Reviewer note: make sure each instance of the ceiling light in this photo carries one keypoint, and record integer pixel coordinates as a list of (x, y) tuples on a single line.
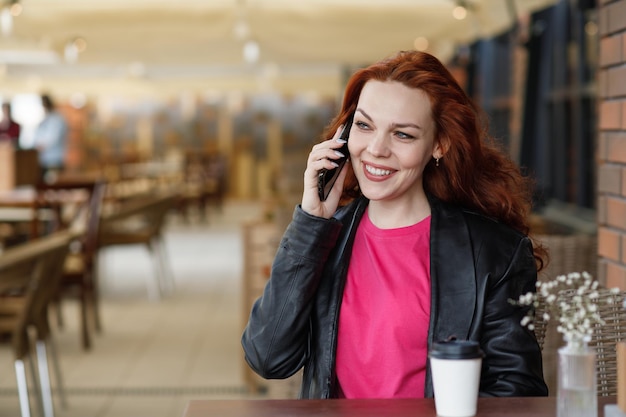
[(81, 44), (6, 21), (70, 53), (251, 52), (10, 10), (241, 30), (78, 100), (459, 12), (16, 9), (73, 48), (421, 43)]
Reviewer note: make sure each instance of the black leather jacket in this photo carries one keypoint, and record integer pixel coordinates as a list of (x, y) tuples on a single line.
[(477, 266)]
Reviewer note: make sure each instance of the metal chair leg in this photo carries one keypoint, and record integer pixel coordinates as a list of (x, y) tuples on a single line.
[(22, 387), (36, 383), (95, 297), (52, 350), (154, 283), (84, 320), (167, 275), (44, 376)]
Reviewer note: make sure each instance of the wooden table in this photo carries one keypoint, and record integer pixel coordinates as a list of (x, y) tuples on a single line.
[(487, 407), (18, 207), (22, 204), (18, 197), (26, 196)]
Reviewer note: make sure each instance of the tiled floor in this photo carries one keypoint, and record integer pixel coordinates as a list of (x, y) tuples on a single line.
[(153, 357)]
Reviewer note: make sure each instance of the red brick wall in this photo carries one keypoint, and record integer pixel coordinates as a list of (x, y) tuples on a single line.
[(612, 144)]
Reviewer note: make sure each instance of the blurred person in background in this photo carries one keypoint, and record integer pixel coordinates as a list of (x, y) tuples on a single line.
[(51, 140), (9, 128)]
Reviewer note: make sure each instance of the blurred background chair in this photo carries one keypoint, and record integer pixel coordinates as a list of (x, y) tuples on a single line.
[(79, 277), (204, 183), (29, 277), (140, 221)]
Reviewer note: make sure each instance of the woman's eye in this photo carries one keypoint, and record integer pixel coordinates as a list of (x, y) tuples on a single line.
[(362, 125), (403, 135)]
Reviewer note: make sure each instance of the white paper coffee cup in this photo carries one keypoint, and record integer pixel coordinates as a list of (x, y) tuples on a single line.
[(455, 368)]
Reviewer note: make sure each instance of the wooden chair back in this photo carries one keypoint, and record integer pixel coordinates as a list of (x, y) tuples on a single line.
[(69, 199), (78, 279), (29, 277), (137, 221), (140, 222)]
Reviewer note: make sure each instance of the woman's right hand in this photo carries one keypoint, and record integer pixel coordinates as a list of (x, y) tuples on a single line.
[(323, 155)]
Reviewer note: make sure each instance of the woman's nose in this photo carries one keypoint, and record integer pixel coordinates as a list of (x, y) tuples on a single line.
[(379, 146)]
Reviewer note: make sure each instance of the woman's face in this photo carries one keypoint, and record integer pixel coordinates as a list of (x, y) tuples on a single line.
[(391, 141)]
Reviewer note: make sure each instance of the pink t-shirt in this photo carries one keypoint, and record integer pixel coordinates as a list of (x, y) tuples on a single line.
[(383, 323)]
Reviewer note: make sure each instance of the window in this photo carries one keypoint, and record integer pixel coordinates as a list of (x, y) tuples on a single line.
[(559, 129)]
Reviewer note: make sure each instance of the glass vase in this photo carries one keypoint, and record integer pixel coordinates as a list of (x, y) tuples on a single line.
[(577, 392)]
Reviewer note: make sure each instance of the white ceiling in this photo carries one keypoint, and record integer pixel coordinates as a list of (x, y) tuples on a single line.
[(159, 46)]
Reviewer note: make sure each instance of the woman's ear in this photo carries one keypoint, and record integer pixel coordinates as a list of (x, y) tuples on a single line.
[(438, 151)]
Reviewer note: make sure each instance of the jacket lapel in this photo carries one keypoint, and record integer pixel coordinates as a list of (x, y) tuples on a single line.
[(453, 279)]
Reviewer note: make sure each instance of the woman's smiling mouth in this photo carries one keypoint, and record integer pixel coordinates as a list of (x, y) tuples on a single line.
[(377, 172)]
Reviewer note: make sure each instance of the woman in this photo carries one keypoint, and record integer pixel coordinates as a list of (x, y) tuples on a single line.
[(429, 243)]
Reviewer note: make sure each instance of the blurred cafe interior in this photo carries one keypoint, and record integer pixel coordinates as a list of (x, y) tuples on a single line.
[(189, 125)]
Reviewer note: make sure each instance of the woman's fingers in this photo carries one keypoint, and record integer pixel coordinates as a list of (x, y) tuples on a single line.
[(324, 155), (329, 150)]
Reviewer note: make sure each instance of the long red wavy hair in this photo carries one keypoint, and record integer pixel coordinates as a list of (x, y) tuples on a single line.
[(475, 172)]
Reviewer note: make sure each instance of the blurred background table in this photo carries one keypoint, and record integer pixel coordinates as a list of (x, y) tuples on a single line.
[(26, 209), (17, 212)]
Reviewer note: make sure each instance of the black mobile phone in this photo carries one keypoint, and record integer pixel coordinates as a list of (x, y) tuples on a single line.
[(327, 177)]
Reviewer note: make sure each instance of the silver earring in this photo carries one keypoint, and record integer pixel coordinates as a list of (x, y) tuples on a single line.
[(436, 162)]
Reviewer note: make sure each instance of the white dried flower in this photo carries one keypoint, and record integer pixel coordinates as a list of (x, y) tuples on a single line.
[(577, 313)]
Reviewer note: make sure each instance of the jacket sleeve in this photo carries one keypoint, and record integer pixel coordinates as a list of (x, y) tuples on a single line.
[(276, 338), (513, 362)]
